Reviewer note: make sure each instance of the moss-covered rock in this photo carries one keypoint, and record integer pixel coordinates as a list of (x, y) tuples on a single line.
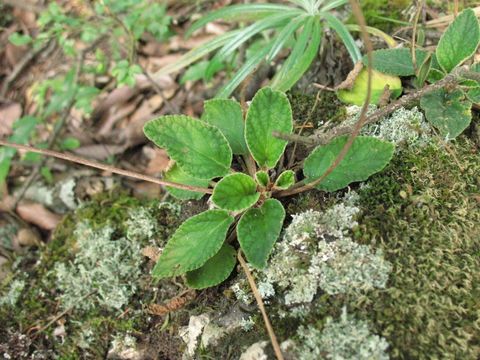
[(92, 269), (423, 212)]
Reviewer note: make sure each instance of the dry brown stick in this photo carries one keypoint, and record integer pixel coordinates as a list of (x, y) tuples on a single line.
[(300, 187), (172, 108), (21, 66), (109, 168), (261, 306), (451, 79), (62, 314)]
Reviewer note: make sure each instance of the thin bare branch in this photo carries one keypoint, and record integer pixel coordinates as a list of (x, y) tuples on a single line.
[(112, 169), (261, 306)]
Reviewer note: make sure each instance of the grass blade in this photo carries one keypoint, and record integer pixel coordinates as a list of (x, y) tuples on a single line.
[(197, 53), (344, 35), (243, 72), (250, 31), (333, 4), (284, 35), (301, 57), (242, 11), (376, 32)]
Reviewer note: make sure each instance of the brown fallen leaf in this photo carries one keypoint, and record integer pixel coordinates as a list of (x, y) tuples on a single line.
[(27, 237), (151, 252), (159, 161), (174, 304), (9, 113), (38, 215)]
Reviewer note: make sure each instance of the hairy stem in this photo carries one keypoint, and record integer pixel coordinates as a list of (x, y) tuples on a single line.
[(112, 169)]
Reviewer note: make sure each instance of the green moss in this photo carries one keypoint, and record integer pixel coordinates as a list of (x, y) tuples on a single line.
[(423, 212), (328, 108), (38, 302)]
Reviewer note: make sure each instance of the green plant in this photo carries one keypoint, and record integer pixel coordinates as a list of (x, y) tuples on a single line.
[(297, 25), (449, 110), (203, 150), (127, 20)]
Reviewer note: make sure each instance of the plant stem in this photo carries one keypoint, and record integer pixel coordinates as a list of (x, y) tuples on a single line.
[(261, 306), (324, 138), (112, 169)]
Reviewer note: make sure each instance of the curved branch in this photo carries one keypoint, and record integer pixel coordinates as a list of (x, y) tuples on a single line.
[(112, 169)]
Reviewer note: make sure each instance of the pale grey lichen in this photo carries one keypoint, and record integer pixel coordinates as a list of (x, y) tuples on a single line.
[(140, 224), (316, 252), (404, 126), (247, 324), (255, 351), (124, 347), (344, 339), (104, 271), (14, 292)]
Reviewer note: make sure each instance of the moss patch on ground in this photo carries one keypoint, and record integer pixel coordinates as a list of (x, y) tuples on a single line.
[(86, 333), (423, 212)]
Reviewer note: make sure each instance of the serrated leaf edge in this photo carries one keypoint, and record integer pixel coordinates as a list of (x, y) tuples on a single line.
[(225, 275), (197, 265), (273, 245), (234, 209)]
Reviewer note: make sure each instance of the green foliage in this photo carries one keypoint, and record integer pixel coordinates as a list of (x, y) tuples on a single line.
[(176, 174), (285, 180), (297, 24), (262, 178), (227, 116), (214, 271), (195, 241), (202, 150), (358, 93), (396, 61), (459, 41), (18, 39), (449, 112), (199, 149), (23, 128), (235, 192), (263, 223), (269, 111), (367, 156), (124, 72)]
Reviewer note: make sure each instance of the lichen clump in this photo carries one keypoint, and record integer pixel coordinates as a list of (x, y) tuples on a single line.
[(317, 247), (345, 338), (104, 271), (403, 127)]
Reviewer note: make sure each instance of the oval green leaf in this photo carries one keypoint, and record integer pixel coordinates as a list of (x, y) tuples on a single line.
[(175, 174), (396, 61), (366, 156), (199, 149), (450, 113), (358, 93), (195, 241), (227, 116), (269, 111), (258, 230), (215, 271), (262, 178), (285, 180), (235, 192), (459, 41)]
